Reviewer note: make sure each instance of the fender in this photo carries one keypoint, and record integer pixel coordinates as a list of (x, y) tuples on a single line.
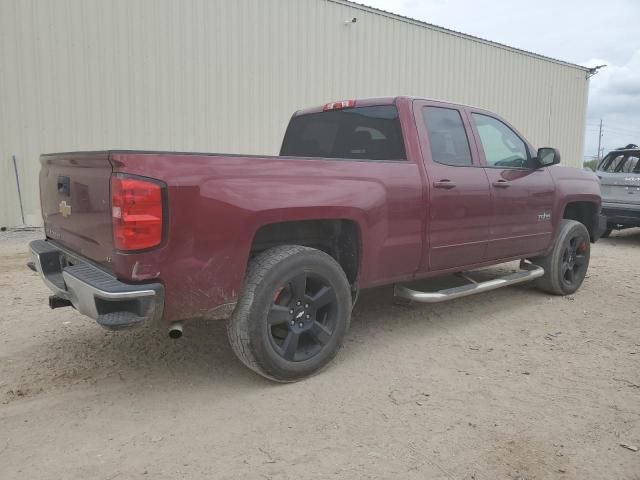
[(217, 203), (573, 185)]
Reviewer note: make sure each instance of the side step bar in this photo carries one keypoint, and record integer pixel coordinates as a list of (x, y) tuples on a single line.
[(527, 273)]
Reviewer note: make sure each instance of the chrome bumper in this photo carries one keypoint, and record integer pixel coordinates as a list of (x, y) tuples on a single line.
[(113, 304)]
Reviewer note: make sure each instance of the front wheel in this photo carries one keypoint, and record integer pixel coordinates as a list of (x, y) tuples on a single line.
[(566, 266), (293, 313)]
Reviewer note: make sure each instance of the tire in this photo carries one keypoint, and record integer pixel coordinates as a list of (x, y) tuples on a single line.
[(278, 344), (566, 266)]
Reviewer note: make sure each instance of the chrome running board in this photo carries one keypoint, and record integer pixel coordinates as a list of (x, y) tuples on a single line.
[(527, 273)]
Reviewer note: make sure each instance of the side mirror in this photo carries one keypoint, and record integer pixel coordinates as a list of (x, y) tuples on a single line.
[(548, 156)]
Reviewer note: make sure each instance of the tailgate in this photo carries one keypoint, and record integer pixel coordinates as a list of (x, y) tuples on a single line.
[(76, 202)]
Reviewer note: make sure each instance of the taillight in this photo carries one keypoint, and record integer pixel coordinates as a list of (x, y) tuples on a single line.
[(136, 211), (339, 105)]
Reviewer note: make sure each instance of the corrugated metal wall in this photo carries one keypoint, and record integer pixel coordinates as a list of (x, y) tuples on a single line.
[(225, 76)]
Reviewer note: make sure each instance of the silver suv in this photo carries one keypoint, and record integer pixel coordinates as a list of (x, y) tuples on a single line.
[(619, 174)]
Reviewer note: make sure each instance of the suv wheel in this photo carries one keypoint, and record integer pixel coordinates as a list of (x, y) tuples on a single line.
[(293, 313), (566, 266)]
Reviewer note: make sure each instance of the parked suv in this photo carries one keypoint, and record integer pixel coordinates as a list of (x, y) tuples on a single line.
[(619, 174)]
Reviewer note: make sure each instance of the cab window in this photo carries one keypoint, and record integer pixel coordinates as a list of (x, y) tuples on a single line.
[(502, 147), (447, 136)]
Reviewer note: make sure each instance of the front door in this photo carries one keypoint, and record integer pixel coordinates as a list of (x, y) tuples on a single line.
[(521, 195), (459, 205)]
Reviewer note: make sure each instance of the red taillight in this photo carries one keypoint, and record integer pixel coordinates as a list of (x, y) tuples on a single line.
[(136, 211), (339, 105)]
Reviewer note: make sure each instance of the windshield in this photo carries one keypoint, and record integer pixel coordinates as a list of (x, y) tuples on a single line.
[(371, 133)]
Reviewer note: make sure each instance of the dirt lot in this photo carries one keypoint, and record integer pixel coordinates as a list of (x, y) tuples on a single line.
[(511, 384)]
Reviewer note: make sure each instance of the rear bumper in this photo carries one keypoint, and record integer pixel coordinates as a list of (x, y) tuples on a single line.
[(622, 214), (113, 304)]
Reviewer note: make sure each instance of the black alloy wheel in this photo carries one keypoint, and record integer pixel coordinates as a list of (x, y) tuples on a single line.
[(565, 266), (574, 260), (302, 317), (293, 313)]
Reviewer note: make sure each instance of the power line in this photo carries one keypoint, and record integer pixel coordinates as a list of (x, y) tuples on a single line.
[(617, 128), (624, 131), (620, 125), (614, 126)]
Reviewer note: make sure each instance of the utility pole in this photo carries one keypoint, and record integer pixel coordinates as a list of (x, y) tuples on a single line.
[(599, 141)]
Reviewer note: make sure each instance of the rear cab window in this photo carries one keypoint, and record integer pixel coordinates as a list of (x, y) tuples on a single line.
[(360, 133)]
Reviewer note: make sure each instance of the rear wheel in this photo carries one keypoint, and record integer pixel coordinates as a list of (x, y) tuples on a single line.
[(293, 313), (566, 266)]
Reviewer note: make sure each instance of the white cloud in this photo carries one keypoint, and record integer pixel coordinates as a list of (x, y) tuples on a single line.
[(615, 98), (570, 30)]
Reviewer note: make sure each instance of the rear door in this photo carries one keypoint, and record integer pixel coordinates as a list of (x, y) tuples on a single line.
[(459, 202), (76, 202), (522, 195), (619, 176)]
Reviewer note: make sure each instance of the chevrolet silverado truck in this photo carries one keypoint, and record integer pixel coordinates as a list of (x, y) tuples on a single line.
[(364, 193)]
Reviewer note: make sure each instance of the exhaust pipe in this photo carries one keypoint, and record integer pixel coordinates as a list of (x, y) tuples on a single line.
[(175, 330)]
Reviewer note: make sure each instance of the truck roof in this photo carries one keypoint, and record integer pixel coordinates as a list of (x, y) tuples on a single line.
[(369, 102)]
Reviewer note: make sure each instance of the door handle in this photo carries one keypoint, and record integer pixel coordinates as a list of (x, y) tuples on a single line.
[(444, 183), (501, 184)]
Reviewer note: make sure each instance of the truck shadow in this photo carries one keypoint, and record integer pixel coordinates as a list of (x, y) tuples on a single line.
[(630, 236), (378, 312), (76, 354)]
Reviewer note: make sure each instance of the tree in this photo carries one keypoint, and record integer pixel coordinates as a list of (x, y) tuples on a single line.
[(591, 164)]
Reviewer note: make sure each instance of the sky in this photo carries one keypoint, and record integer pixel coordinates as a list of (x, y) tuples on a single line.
[(585, 32)]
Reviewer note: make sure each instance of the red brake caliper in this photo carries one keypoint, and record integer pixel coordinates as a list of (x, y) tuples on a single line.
[(276, 295)]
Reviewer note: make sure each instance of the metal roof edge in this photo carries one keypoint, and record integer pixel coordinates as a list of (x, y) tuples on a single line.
[(420, 23)]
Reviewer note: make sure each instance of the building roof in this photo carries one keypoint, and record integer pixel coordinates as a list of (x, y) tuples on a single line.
[(431, 26)]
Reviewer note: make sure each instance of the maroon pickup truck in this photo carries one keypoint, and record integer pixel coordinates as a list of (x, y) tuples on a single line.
[(365, 193)]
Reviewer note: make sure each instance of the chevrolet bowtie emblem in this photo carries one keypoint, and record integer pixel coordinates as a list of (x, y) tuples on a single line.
[(64, 209)]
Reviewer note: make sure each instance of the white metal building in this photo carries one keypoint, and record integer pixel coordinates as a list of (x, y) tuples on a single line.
[(225, 76)]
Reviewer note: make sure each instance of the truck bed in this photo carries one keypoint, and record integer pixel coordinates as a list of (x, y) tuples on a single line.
[(213, 206)]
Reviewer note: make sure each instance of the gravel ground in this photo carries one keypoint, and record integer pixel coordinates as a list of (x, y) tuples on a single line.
[(510, 384)]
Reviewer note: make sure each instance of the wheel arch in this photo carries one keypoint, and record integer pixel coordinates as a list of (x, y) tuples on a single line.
[(341, 238), (585, 211)]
